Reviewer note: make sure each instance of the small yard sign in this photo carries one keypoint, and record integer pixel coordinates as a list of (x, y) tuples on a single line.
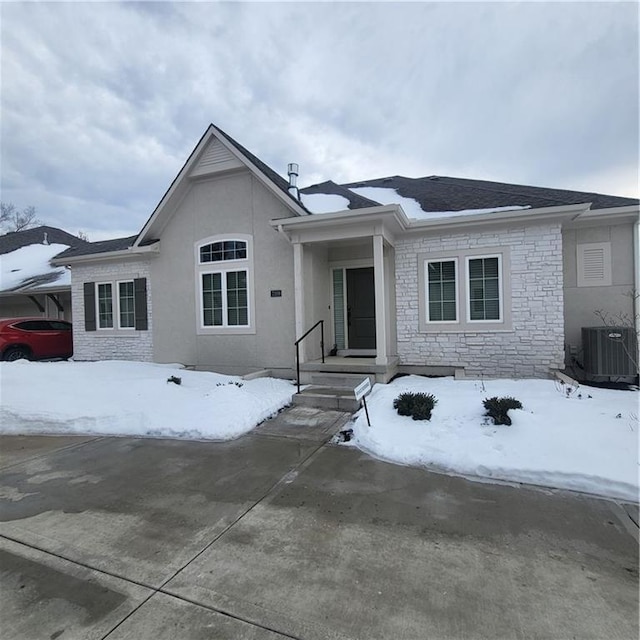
[(360, 392)]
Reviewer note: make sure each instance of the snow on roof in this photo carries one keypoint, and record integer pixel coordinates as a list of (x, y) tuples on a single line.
[(390, 196), (467, 212), (324, 202), (29, 268), (413, 209)]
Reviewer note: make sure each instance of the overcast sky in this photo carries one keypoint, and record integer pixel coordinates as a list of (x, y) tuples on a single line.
[(101, 104)]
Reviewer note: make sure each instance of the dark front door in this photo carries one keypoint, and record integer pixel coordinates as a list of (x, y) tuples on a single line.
[(361, 317)]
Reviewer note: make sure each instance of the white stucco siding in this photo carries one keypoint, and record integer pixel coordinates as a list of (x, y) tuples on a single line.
[(532, 339), (110, 344)]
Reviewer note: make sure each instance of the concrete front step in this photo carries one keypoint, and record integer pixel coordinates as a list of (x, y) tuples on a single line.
[(326, 397), (343, 380)]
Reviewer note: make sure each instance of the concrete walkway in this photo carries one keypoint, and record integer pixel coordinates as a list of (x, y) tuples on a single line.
[(281, 535)]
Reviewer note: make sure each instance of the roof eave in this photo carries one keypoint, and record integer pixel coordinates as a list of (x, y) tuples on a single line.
[(325, 219), (130, 253), (407, 225), (559, 213), (609, 212)]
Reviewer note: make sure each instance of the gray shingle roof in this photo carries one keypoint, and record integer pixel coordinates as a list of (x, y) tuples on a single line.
[(441, 193), (355, 201), (276, 178), (18, 239), (104, 246)]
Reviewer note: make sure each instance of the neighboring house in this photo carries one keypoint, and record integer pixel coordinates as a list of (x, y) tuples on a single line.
[(425, 275), (29, 284)]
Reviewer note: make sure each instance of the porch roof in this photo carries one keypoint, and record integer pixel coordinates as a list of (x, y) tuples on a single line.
[(391, 221)]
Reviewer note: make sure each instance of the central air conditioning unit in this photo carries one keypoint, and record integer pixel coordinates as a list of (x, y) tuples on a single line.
[(610, 351)]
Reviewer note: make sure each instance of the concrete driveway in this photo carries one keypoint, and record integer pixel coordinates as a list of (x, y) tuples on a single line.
[(281, 535)]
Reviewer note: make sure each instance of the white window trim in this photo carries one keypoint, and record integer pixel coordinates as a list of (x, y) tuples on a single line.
[(426, 291), (464, 325), (500, 289), (224, 266), (99, 327), (118, 283)]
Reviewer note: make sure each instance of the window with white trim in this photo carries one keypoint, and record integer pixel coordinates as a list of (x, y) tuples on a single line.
[(104, 301), (126, 305), (112, 306), (125, 301), (224, 281), (483, 287), (442, 283), (465, 290), (223, 250), (225, 299)]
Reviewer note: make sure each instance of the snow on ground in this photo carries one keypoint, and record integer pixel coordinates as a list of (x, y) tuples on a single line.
[(581, 443), (569, 441), (324, 202), (30, 261), (133, 398)]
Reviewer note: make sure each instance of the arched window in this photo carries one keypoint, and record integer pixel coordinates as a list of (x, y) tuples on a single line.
[(223, 250)]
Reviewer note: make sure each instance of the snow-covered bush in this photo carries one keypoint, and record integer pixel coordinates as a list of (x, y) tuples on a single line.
[(497, 408), (416, 405)]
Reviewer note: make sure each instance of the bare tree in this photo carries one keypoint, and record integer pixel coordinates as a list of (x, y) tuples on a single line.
[(82, 235), (13, 220)]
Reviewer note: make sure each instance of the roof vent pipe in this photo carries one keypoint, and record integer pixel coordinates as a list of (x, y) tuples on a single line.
[(292, 171)]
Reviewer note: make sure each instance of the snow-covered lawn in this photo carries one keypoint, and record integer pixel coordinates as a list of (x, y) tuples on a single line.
[(567, 441), (558, 440), (133, 398)]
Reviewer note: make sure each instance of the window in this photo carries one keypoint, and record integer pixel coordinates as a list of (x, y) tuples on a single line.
[(226, 250), (465, 290), (126, 305), (225, 299), (116, 305), (484, 288), (225, 294), (105, 306), (442, 279)]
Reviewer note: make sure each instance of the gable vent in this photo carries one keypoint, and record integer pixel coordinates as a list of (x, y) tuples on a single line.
[(594, 264), (216, 157)]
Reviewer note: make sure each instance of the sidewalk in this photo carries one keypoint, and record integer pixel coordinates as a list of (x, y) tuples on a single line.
[(279, 535)]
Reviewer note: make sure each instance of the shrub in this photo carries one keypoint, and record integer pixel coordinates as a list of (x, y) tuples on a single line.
[(175, 380), (497, 408), (416, 405)]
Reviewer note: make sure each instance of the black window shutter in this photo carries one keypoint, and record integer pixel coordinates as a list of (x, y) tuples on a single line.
[(89, 306), (140, 303)]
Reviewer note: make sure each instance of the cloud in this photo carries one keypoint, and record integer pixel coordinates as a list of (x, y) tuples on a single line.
[(102, 103)]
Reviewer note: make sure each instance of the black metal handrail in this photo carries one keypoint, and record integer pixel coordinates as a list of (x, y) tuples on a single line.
[(300, 339)]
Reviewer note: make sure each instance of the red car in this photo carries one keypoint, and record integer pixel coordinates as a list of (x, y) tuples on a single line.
[(35, 338)]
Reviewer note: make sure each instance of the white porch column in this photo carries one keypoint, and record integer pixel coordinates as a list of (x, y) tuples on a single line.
[(298, 293), (381, 301)]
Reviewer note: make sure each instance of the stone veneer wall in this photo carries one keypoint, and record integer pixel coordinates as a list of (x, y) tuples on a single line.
[(109, 344), (533, 346)]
